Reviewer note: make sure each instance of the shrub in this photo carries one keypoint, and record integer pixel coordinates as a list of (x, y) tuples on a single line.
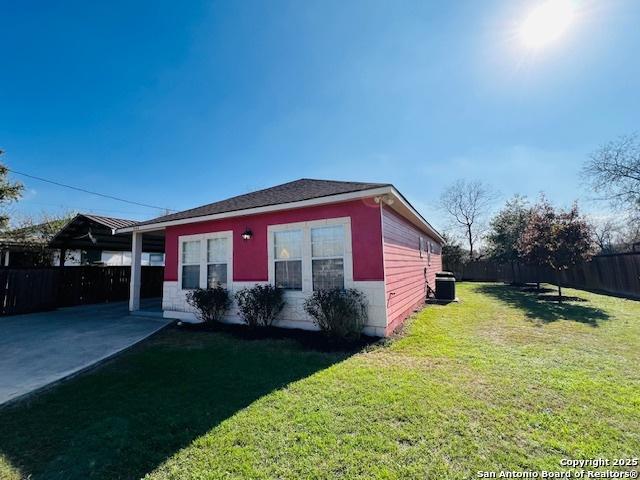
[(340, 314), (260, 305), (211, 303)]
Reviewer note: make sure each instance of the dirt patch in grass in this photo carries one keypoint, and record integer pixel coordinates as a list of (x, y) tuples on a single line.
[(564, 298), (540, 290)]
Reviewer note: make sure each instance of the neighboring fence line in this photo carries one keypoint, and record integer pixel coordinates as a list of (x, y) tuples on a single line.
[(25, 290), (618, 274)]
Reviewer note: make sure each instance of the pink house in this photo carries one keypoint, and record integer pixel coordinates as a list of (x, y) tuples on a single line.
[(302, 236)]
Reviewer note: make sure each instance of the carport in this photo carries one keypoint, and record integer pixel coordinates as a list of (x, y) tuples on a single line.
[(94, 234)]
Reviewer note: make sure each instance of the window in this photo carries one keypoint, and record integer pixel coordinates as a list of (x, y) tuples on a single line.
[(217, 262), (156, 259), (312, 255), (191, 264), (421, 246), (288, 259), (327, 257)]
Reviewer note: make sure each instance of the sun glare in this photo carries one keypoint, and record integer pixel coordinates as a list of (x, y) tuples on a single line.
[(546, 23)]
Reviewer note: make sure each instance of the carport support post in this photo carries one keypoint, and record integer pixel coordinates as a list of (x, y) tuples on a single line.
[(136, 271)]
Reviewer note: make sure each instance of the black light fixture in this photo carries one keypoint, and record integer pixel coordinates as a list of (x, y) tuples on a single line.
[(247, 234)]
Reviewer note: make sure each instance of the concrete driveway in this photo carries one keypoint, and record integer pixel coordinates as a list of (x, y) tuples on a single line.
[(41, 348)]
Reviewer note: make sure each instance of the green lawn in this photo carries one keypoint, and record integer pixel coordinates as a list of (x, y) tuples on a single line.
[(499, 381)]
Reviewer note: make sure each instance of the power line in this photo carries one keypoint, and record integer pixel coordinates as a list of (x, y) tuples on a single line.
[(89, 191), (82, 209)]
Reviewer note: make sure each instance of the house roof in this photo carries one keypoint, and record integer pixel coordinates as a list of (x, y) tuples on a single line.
[(296, 194), (296, 191)]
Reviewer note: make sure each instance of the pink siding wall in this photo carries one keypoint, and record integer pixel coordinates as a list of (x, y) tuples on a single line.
[(250, 256), (404, 269)]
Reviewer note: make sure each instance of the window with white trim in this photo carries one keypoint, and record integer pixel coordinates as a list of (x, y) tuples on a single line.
[(288, 259), (327, 257), (190, 264), (156, 259), (217, 256)]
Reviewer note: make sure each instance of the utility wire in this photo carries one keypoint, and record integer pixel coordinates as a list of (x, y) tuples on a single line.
[(83, 209), (89, 191)]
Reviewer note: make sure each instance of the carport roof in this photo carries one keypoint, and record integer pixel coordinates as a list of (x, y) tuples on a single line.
[(85, 231)]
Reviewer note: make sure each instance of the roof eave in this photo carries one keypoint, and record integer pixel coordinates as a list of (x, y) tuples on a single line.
[(341, 197), (419, 219), (385, 190)]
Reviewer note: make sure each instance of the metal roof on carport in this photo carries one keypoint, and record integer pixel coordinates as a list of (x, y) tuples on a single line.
[(86, 231)]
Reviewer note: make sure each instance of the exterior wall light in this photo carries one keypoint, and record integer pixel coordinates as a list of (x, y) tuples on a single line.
[(247, 234)]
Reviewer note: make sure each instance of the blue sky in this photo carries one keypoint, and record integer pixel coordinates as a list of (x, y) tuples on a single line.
[(184, 103)]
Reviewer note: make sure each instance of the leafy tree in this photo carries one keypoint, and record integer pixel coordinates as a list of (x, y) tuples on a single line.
[(506, 228), (556, 239), (9, 192), (35, 234), (468, 204), (573, 242), (535, 245)]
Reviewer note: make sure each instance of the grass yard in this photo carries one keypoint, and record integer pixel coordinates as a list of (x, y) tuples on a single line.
[(499, 381)]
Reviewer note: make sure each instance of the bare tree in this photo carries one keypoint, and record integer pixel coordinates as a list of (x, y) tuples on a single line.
[(607, 233), (629, 237), (614, 173), (467, 203)]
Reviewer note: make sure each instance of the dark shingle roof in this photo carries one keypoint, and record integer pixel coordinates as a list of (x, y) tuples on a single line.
[(296, 191)]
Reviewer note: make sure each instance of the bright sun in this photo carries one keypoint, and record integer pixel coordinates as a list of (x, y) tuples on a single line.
[(546, 23)]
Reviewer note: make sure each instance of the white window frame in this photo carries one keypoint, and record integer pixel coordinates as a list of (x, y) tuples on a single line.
[(181, 262), (334, 257), (276, 260), (307, 277), (203, 238)]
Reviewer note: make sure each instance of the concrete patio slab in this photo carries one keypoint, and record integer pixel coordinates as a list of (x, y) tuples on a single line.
[(39, 349)]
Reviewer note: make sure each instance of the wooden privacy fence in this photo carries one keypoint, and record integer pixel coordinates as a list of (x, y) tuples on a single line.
[(24, 290), (618, 274)]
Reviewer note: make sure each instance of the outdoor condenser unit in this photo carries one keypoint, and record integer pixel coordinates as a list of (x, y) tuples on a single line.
[(445, 286)]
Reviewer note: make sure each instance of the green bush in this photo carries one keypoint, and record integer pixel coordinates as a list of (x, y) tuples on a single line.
[(340, 314), (210, 303), (260, 305)]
